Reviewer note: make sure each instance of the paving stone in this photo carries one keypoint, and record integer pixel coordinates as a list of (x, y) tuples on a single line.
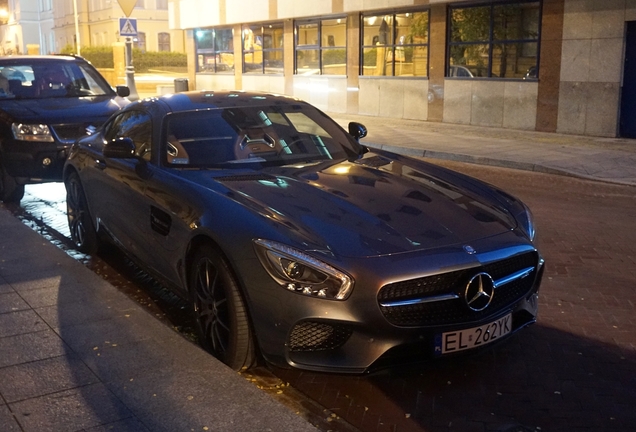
[(15, 323), (70, 410), (30, 347), (43, 377), (12, 302), (8, 423)]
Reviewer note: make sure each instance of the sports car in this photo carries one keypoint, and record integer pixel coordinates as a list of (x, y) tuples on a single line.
[(297, 244)]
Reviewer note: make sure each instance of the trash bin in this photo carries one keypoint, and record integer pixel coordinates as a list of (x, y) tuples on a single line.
[(180, 85)]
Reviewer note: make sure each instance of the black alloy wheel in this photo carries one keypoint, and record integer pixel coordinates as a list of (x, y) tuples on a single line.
[(221, 316), (80, 223), (10, 191)]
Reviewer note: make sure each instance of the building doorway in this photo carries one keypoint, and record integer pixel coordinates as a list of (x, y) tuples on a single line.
[(627, 126)]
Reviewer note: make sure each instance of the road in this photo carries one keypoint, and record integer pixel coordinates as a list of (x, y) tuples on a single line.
[(574, 370)]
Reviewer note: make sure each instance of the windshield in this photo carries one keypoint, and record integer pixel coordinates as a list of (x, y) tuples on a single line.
[(39, 80), (271, 135)]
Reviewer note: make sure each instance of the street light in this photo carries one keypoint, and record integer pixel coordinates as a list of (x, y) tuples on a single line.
[(4, 15), (77, 32)]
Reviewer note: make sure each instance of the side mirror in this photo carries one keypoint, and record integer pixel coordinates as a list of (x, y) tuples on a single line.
[(123, 91), (357, 130), (120, 148)]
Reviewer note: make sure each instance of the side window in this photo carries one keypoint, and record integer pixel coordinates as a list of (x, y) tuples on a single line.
[(495, 39), (164, 41), (133, 124), (395, 44), (215, 50), (321, 47)]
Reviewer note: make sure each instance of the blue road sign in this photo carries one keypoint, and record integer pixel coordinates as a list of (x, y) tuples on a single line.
[(127, 27)]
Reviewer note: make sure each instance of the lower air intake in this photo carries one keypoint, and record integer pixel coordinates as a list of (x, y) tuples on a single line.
[(318, 336)]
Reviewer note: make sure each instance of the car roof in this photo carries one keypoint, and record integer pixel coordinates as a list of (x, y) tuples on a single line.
[(203, 99), (13, 59)]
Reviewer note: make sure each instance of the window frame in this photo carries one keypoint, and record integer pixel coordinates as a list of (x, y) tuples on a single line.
[(246, 52), (492, 41), (164, 39), (213, 52), (319, 46), (394, 45), (139, 41)]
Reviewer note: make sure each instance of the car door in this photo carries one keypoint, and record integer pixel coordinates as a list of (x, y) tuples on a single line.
[(174, 213), (121, 182)]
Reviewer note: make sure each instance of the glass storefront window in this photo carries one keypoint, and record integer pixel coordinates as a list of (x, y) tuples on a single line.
[(215, 50), (321, 47), (263, 48), (494, 41), (395, 44)]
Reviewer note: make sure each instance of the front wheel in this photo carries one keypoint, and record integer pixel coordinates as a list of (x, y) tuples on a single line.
[(80, 223), (221, 316), (10, 191)]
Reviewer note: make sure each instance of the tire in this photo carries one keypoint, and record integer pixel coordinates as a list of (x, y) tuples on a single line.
[(219, 310), (10, 191), (80, 222)]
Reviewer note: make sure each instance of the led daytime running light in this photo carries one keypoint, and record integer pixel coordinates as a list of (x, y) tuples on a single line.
[(302, 273)]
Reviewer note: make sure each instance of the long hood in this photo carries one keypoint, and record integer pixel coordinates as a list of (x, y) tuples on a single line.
[(373, 206), (62, 110)]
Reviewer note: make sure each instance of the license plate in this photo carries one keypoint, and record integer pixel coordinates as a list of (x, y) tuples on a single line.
[(460, 340)]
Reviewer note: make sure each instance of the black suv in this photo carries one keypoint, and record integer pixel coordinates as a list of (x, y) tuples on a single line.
[(46, 103)]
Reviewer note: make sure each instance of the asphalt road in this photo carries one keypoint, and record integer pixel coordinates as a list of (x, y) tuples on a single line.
[(575, 370)]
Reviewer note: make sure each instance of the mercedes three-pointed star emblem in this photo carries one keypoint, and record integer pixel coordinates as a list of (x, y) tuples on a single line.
[(479, 292)]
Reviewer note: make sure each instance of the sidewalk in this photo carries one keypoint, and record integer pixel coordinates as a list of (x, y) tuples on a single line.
[(76, 354), (605, 159)]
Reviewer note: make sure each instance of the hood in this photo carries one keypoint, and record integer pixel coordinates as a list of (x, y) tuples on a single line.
[(373, 206), (62, 110)]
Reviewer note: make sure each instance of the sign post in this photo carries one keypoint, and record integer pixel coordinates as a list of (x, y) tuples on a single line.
[(128, 29)]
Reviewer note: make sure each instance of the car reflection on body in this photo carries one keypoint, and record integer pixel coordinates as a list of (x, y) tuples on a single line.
[(458, 71), (294, 242)]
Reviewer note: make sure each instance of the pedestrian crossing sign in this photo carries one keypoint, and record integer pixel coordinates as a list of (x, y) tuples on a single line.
[(127, 27)]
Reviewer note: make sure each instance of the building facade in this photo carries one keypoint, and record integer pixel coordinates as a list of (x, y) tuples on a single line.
[(27, 26), (48, 26), (546, 65), (99, 24)]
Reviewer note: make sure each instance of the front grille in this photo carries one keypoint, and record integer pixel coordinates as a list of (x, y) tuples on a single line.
[(455, 311), (71, 132), (317, 336)]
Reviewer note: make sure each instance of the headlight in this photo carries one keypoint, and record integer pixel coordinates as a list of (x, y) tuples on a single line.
[(526, 222), (301, 273), (32, 132)]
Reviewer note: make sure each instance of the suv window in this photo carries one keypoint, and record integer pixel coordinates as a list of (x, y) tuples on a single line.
[(38, 80)]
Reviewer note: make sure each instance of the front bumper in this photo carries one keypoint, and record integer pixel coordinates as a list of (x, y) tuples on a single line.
[(34, 161), (357, 335)]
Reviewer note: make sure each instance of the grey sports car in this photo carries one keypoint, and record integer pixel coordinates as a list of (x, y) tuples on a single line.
[(297, 244)]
